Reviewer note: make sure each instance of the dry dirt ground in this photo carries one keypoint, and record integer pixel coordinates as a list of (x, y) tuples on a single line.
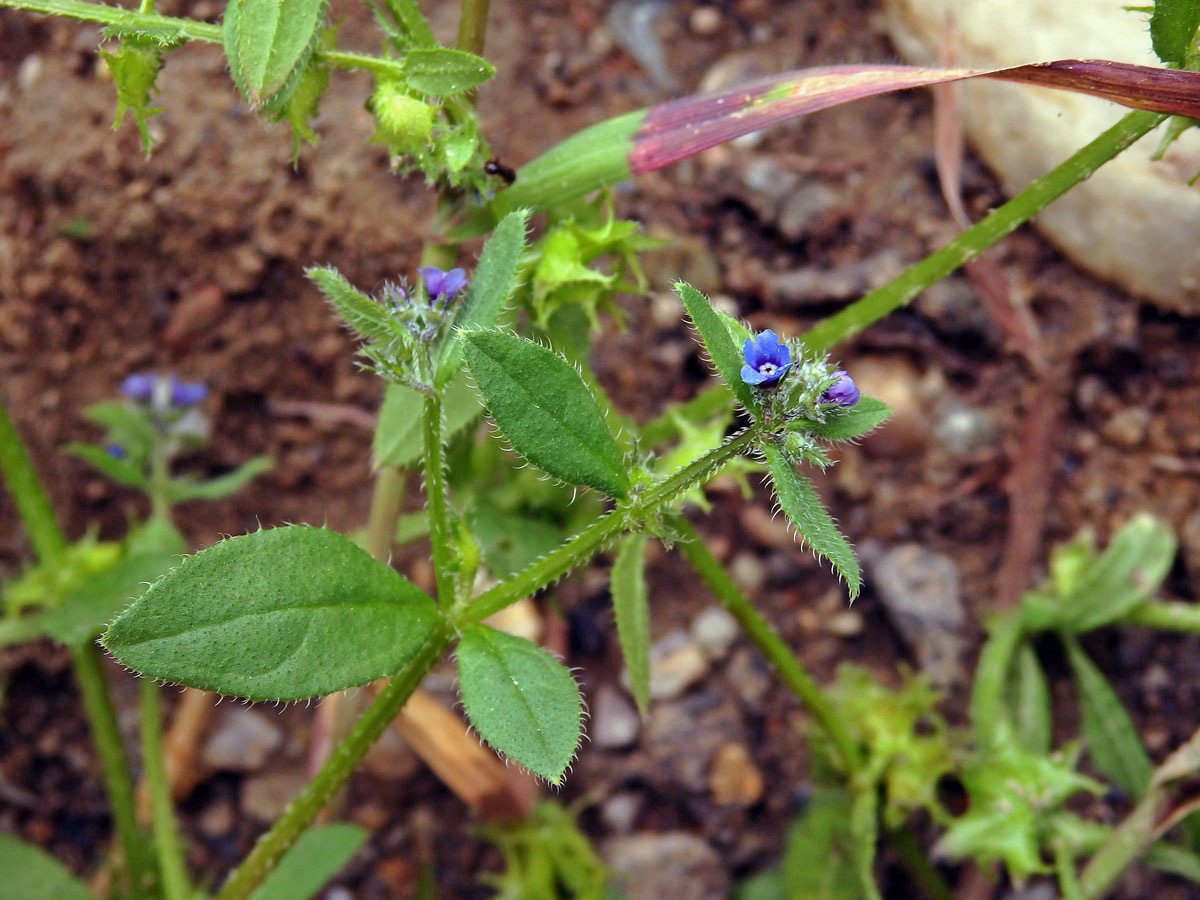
[(192, 261)]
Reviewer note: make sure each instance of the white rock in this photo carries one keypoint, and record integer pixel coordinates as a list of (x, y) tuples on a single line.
[(1134, 221), (243, 741)]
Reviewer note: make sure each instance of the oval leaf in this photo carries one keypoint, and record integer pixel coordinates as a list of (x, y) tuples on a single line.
[(541, 405), (850, 421), (276, 615), (802, 505), (520, 699), (441, 71), (32, 874), (268, 43), (725, 355), (632, 612)]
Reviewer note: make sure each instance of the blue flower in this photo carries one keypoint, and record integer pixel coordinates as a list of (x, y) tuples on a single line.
[(186, 393), (139, 386), (116, 451), (766, 359), (841, 391), (440, 285)]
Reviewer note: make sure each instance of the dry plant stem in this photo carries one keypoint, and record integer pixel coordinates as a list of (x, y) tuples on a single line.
[(182, 739), (342, 762)]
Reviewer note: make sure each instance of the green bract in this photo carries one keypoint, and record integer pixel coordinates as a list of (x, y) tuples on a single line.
[(632, 612), (276, 615), (268, 44), (520, 699), (541, 405)]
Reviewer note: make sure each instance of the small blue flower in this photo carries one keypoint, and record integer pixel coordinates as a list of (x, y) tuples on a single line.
[(139, 386), (841, 391), (186, 393), (766, 359), (116, 451), (440, 285)]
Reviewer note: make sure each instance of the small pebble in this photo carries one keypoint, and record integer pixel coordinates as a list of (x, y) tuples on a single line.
[(654, 866), (734, 779), (243, 742), (705, 21), (620, 811), (1127, 427), (715, 630), (847, 623), (265, 796), (615, 723), (676, 663), (748, 674)]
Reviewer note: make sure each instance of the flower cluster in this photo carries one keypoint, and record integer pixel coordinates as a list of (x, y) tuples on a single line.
[(767, 361), (160, 391)]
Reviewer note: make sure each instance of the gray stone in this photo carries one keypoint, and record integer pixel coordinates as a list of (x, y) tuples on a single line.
[(676, 663), (715, 630), (680, 739), (748, 674), (614, 723), (265, 796), (673, 864), (243, 741), (963, 429), (920, 590), (620, 811)]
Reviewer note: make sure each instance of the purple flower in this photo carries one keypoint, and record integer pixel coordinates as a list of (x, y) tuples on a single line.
[(116, 451), (139, 386), (766, 359), (186, 393), (441, 285), (842, 391)]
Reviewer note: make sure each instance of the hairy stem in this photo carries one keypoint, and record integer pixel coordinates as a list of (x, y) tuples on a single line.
[(435, 500), (472, 26), (1000, 222), (769, 643), (173, 879), (581, 547), (309, 802), (32, 503), (114, 767)]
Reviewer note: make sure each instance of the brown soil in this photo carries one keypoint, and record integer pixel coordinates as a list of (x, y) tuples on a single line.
[(192, 261)]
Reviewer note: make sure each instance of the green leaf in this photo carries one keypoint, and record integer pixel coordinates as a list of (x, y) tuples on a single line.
[(1112, 739), (89, 607), (1031, 713), (726, 356), (1173, 27), (398, 440), (134, 68), (441, 72), (1167, 857), (491, 284), (222, 486), (820, 859), (520, 699), (803, 507), (988, 714), (365, 317), (510, 541), (276, 615), (849, 421), (541, 405), (313, 860), (118, 470), (632, 611), (409, 18), (1129, 571), (268, 43), (32, 874)]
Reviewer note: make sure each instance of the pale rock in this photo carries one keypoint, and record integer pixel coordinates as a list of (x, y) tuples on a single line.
[(615, 723), (620, 811), (243, 742), (676, 663), (715, 630), (734, 779), (655, 866), (1134, 221), (265, 796)]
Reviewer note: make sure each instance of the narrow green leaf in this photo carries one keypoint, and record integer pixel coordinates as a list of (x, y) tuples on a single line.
[(491, 284), (1173, 27), (398, 434), (312, 861), (1031, 713), (520, 699), (268, 43), (118, 470), (541, 405), (221, 486), (1127, 573), (86, 609), (409, 17), (275, 615), (631, 608), (32, 874), (1111, 736), (851, 421), (364, 316), (812, 521), (1167, 857), (864, 832), (820, 859), (441, 71), (987, 710), (726, 356)]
